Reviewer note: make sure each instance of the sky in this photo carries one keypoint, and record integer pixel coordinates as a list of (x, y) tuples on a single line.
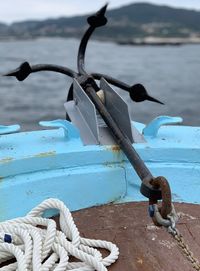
[(19, 10)]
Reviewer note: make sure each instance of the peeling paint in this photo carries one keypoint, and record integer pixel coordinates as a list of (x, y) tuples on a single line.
[(109, 164), (139, 260), (114, 164), (6, 160), (151, 231), (154, 237), (181, 214), (29, 193), (152, 227), (45, 154), (167, 244)]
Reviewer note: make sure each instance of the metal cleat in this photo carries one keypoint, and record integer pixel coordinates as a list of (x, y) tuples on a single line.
[(10, 129), (152, 128), (70, 131)]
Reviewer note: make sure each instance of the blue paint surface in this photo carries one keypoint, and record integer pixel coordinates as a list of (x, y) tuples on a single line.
[(43, 164)]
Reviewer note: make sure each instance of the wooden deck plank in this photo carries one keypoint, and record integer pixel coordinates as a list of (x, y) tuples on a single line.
[(143, 247)]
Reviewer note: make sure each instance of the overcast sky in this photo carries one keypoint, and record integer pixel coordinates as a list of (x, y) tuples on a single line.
[(17, 10)]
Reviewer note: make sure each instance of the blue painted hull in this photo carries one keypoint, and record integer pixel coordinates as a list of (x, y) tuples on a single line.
[(43, 164)]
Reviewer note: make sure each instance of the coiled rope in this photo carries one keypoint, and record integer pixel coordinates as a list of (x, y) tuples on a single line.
[(37, 245)]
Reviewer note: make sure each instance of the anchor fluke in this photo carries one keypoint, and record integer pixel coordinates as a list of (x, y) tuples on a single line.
[(149, 98), (22, 72), (138, 94), (99, 18)]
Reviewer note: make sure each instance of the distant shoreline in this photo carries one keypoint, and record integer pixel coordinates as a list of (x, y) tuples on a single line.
[(149, 41), (134, 24), (159, 41), (132, 43)]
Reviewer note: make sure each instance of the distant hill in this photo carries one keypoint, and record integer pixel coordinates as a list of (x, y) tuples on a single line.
[(3, 28), (127, 23)]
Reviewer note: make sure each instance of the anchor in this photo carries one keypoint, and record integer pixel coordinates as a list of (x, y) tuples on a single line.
[(137, 92)]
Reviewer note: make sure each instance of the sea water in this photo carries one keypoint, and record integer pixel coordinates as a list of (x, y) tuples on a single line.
[(169, 73)]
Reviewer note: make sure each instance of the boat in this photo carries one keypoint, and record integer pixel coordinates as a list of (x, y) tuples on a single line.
[(87, 163)]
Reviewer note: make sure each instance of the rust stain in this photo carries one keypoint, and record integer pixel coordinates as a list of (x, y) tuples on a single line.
[(115, 148), (45, 154), (6, 160)]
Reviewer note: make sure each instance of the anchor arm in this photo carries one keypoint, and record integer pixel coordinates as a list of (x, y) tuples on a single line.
[(25, 69), (137, 92), (54, 68), (112, 81)]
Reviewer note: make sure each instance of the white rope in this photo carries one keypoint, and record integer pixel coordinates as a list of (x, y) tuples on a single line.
[(37, 245)]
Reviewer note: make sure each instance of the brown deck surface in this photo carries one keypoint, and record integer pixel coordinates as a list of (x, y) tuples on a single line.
[(143, 247)]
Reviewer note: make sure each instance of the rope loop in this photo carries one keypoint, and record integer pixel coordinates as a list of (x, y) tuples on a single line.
[(37, 245)]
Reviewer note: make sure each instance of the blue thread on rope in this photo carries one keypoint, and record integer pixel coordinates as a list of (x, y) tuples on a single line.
[(7, 238), (151, 210)]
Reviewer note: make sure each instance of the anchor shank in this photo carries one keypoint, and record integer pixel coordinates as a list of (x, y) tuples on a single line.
[(121, 139)]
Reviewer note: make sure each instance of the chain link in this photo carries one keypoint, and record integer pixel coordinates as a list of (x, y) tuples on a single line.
[(186, 250), (170, 225)]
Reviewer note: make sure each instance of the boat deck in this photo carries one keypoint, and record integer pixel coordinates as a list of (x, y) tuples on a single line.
[(142, 245)]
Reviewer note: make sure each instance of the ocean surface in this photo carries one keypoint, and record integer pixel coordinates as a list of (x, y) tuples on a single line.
[(170, 73)]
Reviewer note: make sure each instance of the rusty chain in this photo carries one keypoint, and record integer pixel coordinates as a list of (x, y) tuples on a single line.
[(170, 225), (167, 217), (184, 247)]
